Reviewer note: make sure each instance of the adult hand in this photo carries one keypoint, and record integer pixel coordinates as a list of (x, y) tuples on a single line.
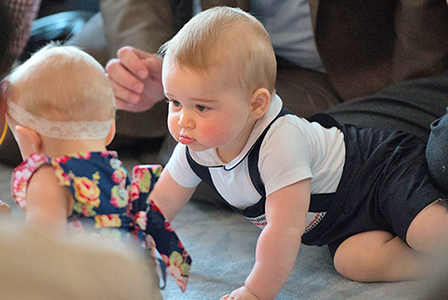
[(242, 293), (136, 79)]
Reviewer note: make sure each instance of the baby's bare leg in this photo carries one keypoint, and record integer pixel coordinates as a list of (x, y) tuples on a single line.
[(428, 232), (379, 256)]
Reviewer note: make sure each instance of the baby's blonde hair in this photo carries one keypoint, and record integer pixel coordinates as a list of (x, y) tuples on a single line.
[(62, 83), (227, 38)]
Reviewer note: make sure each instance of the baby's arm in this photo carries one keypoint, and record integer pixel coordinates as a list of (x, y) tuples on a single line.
[(170, 196), (279, 242), (48, 203)]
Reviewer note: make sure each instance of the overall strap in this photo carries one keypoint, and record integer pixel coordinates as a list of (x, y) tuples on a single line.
[(320, 201), (252, 160), (204, 173), (324, 120), (257, 209)]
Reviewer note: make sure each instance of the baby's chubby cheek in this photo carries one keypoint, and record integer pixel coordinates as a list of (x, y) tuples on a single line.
[(173, 127), (213, 134)]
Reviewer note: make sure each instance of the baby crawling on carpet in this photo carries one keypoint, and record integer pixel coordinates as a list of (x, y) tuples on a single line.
[(364, 192)]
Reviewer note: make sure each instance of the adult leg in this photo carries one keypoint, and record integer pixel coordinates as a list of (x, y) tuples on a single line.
[(92, 40), (305, 92), (409, 106)]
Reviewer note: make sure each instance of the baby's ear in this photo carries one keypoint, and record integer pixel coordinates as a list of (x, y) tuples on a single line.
[(28, 138), (111, 134), (260, 101)]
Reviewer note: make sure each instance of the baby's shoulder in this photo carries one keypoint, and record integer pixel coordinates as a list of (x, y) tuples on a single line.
[(22, 175)]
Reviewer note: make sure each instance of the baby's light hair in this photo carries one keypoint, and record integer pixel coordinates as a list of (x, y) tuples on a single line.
[(228, 38), (62, 83)]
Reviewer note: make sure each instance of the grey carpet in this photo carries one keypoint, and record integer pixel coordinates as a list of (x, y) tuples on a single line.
[(222, 245)]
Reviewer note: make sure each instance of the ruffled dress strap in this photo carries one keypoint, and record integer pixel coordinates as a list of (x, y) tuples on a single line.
[(150, 220), (22, 175)]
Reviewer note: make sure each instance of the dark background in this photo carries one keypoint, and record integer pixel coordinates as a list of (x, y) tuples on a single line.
[(49, 7)]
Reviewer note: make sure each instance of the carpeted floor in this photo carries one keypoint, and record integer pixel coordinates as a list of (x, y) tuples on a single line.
[(222, 245)]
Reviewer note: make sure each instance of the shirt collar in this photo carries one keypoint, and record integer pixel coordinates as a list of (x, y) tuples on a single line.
[(209, 158)]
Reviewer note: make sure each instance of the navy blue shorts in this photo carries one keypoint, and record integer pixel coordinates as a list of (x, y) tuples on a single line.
[(384, 185)]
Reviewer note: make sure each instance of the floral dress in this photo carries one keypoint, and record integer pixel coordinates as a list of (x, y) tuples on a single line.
[(109, 203)]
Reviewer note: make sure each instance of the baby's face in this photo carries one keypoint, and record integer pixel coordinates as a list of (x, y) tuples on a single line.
[(207, 110)]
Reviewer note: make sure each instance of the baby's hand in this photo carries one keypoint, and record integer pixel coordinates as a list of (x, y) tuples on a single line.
[(243, 293)]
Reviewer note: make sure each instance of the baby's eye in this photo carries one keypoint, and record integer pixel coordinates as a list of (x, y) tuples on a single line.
[(175, 103), (201, 108)]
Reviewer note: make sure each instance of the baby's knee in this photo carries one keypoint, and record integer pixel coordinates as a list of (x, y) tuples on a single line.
[(352, 266), (361, 257)]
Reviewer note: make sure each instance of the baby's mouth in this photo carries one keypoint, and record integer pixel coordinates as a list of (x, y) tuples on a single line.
[(185, 140)]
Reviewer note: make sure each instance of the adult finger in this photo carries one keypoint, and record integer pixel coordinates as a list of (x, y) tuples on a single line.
[(122, 77), (124, 94), (124, 105), (132, 58), (154, 64)]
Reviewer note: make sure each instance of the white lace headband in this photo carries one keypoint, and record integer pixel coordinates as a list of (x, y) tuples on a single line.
[(69, 130)]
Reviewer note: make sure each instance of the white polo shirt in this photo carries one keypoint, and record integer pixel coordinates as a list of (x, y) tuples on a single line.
[(292, 150)]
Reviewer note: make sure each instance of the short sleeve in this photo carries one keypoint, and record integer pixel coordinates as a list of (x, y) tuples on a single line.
[(180, 170), (284, 160), (22, 175)]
